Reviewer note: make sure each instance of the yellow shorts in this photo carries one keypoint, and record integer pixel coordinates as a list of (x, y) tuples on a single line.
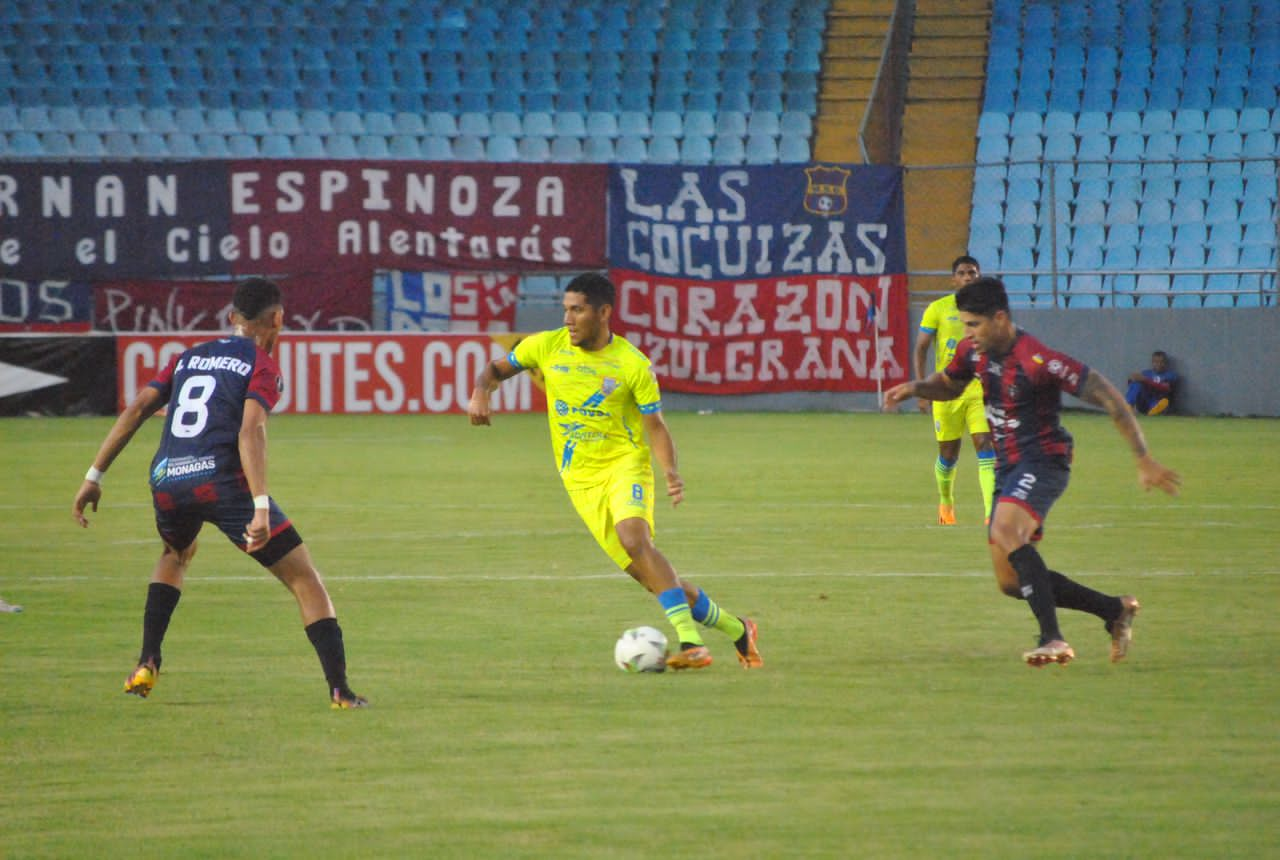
[(951, 418), (621, 495)]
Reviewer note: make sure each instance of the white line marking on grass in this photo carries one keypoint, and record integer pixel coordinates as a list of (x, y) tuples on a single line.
[(587, 577)]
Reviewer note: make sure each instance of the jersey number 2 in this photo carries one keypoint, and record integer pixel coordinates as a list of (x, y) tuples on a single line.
[(193, 411)]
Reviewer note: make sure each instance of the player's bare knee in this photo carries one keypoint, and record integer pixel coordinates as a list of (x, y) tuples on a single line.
[(180, 558)]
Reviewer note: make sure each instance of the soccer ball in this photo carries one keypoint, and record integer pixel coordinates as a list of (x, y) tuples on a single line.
[(641, 649)]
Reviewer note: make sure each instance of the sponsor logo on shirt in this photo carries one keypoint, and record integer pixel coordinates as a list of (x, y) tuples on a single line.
[(563, 409), (183, 467)]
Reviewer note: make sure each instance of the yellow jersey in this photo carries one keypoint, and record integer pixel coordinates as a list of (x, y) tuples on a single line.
[(594, 402), (942, 320)]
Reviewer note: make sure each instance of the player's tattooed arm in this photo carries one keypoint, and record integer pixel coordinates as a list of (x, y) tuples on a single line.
[(1099, 391), (486, 383)]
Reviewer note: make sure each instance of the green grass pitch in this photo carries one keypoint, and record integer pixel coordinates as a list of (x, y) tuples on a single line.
[(893, 717)]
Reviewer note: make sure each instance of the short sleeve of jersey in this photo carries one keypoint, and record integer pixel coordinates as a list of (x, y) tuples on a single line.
[(265, 385), (1059, 369), (164, 379), (644, 385), (961, 367), (531, 352), (932, 318)]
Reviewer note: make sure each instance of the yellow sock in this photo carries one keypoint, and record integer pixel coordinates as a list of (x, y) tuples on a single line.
[(707, 613), (944, 471), (680, 616), (987, 478)]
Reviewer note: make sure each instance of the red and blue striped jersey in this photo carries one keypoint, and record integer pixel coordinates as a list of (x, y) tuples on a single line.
[(1022, 390), (206, 388)]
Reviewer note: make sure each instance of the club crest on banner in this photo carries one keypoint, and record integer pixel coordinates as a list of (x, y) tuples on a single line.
[(827, 192)]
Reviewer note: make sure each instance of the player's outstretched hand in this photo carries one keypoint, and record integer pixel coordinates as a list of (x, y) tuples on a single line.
[(896, 395), (675, 488), (1151, 473), (89, 494), (478, 408)]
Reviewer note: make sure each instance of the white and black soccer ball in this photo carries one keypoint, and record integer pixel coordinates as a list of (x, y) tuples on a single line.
[(641, 649)]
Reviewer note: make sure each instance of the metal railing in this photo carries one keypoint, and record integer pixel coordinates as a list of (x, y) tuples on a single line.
[(880, 133), (1051, 282)]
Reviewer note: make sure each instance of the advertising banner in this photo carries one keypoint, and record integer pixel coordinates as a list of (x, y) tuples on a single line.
[(357, 374), (762, 279), (439, 301), (332, 301), (166, 219), (66, 375)]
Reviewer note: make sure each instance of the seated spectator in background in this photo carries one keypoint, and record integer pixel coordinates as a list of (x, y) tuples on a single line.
[(1151, 391)]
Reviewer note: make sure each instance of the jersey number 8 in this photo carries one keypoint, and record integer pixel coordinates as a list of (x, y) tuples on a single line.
[(193, 412)]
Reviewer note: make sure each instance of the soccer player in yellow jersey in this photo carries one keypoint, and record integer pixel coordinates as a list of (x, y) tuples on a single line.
[(604, 409), (941, 326)]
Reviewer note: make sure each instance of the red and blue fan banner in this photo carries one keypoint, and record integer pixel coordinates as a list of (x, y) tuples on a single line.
[(107, 221), (330, 301), (768, 279), (45, 306)]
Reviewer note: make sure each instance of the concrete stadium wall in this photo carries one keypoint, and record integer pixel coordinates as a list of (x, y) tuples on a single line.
[(1226, 357)]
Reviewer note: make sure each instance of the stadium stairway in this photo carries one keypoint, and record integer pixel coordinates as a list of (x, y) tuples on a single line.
[(944, 98), (856, 31)]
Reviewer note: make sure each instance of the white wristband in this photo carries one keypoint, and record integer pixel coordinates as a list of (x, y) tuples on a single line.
[(94, 474), (261, 503)]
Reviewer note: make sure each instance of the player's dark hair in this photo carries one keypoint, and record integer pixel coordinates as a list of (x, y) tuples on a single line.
[(983, 297), (596, 287), (255, 296), (962, 259), (1161, 353)]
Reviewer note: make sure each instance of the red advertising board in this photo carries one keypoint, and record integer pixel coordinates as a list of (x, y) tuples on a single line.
[(357, 374)]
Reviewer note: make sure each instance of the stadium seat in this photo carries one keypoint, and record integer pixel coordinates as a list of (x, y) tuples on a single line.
[(632, 149), (598, 150), (728, 149), (468, 148), (436, 148), (793, 149), (341, 146), (534, 149), (566, 148), (761, 149)]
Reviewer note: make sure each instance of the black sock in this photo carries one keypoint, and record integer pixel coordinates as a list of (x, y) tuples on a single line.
[(1070, 594), (326, 638), (162, 599), (1037, 590)]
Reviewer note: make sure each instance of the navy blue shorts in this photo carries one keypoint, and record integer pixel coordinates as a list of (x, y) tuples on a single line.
[(182, 509), (1033, 485)]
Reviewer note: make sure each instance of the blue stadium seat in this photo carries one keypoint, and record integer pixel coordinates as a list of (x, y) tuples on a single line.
[(499, 147), (761, 149), (566, 148), (119, 144), (437, 123), (436, 148), (534, 149), (793, 149), (598, 149), (182, 144), (602, 124), (632, 149), (276, 145), (372, 146), (212, 145), (664, 149), (728, 149), (468, 148)]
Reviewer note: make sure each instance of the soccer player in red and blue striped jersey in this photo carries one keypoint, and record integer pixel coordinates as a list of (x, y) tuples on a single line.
[(1022, 382), (211, 466)]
